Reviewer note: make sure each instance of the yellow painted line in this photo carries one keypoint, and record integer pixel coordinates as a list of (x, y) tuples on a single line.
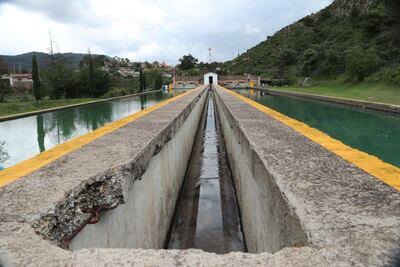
[(28, 166), (385, 172)]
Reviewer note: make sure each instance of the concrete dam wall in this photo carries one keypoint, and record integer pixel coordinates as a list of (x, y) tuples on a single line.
[(277, 226), (144, 219), (115, 200)]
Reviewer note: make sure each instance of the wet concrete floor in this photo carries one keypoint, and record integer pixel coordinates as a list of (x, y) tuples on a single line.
[(207, 215)]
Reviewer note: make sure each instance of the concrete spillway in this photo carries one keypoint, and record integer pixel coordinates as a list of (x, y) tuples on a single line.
[(207, 216)]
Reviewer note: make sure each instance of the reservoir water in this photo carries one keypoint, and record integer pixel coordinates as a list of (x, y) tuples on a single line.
[(23, 138), (376, 133)]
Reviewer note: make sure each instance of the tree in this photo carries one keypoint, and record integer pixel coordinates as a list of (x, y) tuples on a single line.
[(91, 80), (158, 82), (4, 89), (310, 61), (4, 84), (287, 57), (361, 63), (142, 80), (3, 66), (98, 60), (36, 80), (188, 62), (59, 78)]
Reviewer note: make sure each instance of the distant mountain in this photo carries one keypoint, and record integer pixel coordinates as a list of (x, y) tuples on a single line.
[(25, 60), (326, 43)]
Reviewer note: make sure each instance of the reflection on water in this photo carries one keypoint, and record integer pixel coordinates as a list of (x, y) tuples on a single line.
[(26, 137), (3, 154), (143, 102), (376, 133)]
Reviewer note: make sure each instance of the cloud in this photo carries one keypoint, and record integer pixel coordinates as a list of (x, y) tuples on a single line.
[(65, 11), (147, 30)]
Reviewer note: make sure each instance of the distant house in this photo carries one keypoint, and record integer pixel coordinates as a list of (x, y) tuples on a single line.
[(126, 72), (186, 82), (245, 80), (21, 82)]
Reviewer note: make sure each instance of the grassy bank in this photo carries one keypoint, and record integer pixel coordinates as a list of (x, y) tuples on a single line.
[(11, 108), (367, 91)]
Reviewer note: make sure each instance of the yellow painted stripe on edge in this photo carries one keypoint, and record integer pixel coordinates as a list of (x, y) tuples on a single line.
[(385, 172), (28, 166)]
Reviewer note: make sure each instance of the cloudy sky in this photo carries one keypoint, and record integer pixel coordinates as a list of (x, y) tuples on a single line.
[(146, 29)]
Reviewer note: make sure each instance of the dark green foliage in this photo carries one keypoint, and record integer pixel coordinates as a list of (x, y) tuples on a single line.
[(389, 75), (310, 61), (89, 81), (361, 63), (158, 82), (142, 80), (114, 92), (96, 61), (3, 66), (188, 62), (37, 91), (4, 89), (324, 15), (4, 84), (326, 45), (308, 21), (59, 79), (287, 57), (216, 67), (91, 78)]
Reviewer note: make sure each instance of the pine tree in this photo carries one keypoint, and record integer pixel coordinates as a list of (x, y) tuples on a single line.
[(158, 82), (36, 80), (142, 80), (92, 85)]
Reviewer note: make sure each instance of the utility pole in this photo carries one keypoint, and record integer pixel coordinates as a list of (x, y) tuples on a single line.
[(209, 55)]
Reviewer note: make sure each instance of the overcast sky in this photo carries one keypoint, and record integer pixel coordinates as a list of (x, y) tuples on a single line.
[(146, 29)]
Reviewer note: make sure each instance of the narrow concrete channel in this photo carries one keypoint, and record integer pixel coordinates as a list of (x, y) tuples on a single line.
[(207, 215)]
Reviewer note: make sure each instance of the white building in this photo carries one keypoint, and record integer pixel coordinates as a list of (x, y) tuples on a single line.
[(21, 81), (211, 78)]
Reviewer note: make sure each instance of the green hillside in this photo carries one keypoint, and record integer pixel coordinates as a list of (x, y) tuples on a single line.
[(71, 59), (353, 39)]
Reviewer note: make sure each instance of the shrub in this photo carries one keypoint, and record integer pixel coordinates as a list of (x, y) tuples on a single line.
[(361, 63), (308, 21), (389, 75), (324, 15), (310, 61), (287, 57), (114, 92)]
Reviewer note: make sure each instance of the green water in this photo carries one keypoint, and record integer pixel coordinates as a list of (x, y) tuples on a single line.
[(376, 133), (24, 138)]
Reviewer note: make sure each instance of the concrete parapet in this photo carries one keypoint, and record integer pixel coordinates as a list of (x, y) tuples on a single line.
[(307, 194)]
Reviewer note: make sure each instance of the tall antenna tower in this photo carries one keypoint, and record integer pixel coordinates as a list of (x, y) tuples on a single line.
[(209, 55), (52, 59)]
